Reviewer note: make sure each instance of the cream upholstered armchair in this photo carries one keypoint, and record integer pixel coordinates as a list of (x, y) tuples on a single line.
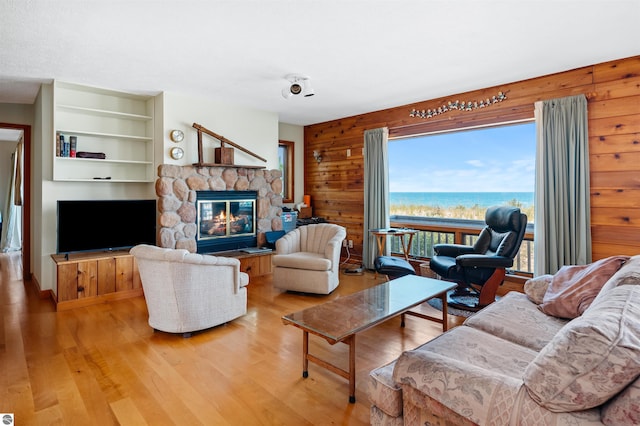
[(186, 292), (307, 259)]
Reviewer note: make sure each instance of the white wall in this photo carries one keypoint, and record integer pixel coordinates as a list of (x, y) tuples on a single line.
[(17, 114), (255, 130), (43, 120), (292, 133)]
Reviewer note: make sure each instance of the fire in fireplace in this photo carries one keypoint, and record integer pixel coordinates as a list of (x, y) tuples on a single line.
[(226, 220)]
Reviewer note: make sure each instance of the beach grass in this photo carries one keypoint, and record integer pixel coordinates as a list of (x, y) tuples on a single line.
[(475, 212)]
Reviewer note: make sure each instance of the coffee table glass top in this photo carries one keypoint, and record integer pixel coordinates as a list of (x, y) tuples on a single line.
[(347, 315)]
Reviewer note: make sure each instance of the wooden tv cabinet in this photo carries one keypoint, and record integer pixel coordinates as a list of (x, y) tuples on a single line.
[(254, 264), (89, 278)]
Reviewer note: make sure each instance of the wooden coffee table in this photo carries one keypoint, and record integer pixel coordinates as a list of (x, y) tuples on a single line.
[(341, 319)]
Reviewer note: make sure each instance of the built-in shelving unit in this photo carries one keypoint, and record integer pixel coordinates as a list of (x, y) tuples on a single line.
[(116, 124)]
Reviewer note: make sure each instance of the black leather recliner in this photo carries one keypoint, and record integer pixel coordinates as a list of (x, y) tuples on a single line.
[(481, 268)]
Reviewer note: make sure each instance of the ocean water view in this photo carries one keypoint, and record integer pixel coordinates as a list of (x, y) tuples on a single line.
[(458, 199)]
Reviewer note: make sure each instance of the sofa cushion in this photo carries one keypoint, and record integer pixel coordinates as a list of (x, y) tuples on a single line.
[(516, 319), (302, 260), (574, 287), (480, 349), (628, 274), (592, 358), (475, 374), (479, 377), (506, 407), (623, 409), (535, 288), (442, 364), (377, 417), (383, 392), (420, 409)]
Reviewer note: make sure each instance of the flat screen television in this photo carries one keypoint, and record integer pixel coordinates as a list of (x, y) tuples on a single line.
[(102, 225)]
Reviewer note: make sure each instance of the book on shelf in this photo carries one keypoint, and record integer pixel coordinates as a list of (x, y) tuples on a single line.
[(95, 155), (58, 148), (65, 146), (73, 145)]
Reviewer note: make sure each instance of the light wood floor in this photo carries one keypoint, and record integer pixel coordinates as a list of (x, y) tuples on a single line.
[(103, 364)]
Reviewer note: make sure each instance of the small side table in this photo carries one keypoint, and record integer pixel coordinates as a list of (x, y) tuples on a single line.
[(382, 234)]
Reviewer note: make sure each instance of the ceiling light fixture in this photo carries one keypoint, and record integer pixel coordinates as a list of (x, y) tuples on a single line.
[(300, 85)]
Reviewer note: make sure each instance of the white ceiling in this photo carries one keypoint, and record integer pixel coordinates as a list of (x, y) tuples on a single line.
[(362, 55)]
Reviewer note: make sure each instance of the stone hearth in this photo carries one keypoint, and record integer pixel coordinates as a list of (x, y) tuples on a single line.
[(176, 190)]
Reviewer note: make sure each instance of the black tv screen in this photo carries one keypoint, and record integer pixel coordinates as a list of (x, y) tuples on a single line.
[(96, 225)]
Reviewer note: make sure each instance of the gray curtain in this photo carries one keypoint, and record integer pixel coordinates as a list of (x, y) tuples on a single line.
[(562, 207), (376, 191)]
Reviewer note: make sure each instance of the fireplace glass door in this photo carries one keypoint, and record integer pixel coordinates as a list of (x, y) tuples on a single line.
[(225, 218)]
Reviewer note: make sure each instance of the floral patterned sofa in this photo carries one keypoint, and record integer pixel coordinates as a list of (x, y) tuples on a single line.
[(567, 352)]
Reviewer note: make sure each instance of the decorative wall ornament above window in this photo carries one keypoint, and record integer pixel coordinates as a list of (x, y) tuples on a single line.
[(458, 105)]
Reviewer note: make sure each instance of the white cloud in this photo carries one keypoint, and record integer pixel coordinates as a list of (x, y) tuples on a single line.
[(476, 163)]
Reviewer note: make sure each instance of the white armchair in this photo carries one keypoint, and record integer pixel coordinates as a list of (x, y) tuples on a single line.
[(186, 292), (307, 259)]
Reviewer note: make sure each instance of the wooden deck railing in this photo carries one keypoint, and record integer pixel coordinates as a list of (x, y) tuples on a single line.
[(456, 231)]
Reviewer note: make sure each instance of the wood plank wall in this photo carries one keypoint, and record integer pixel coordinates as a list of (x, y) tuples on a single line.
[(336, 184)]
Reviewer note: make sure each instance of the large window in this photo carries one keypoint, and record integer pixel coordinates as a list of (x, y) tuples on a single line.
[(459, 174), (443, 183)]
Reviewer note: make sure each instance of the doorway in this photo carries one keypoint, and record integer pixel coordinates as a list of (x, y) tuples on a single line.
[(25, 201)]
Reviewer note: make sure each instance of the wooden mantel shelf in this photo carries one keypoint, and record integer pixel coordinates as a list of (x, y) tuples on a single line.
[(220, 155), (227, 165)]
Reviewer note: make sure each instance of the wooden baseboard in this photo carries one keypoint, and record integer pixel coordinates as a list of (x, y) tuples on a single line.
[(42, 294)]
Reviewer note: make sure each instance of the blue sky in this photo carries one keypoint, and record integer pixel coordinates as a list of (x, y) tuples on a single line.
[(496, 159)]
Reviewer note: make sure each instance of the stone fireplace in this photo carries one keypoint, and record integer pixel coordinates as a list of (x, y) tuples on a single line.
[(177, 189)]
